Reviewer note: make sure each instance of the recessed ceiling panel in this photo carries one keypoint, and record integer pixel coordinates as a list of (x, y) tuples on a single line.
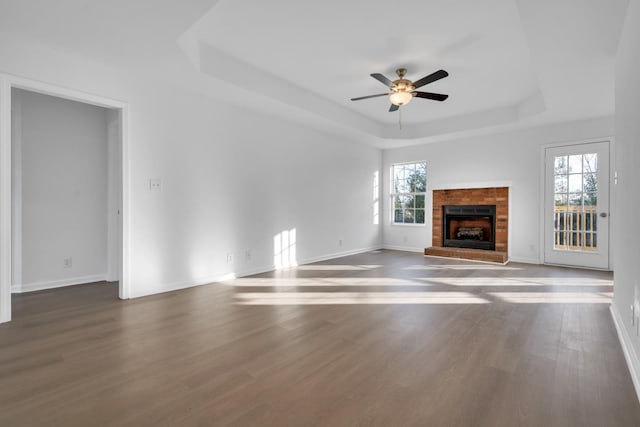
[(330, 48)]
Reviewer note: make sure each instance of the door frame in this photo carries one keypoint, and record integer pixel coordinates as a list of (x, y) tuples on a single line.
[(542, 195), (7, 82)]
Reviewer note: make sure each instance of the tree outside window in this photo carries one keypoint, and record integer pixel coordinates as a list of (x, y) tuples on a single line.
[(408, 192)]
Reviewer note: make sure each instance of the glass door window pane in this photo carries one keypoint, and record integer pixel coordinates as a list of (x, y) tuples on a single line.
[(575, 202)]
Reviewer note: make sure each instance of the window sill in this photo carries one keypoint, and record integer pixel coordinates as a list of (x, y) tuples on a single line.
[(402, 224)]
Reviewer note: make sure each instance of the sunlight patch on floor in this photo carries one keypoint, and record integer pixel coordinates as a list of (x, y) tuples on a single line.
[(337, 298), (461, 267), (479, 282), (324, 281), (336, 267), (517, 281), (554, 297)]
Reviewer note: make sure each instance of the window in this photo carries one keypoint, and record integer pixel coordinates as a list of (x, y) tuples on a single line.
[(408, 192), (576, 202)]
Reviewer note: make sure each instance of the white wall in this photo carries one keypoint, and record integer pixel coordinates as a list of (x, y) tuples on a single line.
[(510, 159), (63, 177), (232, 179), (627, 159)]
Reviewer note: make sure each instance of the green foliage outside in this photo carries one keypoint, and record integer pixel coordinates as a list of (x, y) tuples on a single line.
[(409, 180)]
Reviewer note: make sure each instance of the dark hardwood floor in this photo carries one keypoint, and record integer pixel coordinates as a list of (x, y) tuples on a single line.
[(383, 339)]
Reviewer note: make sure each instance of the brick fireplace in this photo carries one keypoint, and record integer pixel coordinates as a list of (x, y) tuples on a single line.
[(471, 204)]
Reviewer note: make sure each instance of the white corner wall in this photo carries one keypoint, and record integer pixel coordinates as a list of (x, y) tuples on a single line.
[(511, 159), (60, 156), (627, 161)]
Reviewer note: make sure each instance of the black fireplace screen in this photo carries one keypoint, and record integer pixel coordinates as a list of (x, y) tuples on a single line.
[(471, 226)]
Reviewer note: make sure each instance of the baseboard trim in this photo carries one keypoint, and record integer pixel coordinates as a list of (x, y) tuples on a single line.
[(525, 260), (52, 284), (338, 255), (627, 348), (176, 286), (310, 260), (403, 248), (257, 270), (551, 264)]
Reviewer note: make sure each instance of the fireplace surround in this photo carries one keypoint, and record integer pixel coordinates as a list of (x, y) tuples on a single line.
[(461, 197)]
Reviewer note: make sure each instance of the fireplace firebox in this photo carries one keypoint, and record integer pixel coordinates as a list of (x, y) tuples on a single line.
[(471, 226)]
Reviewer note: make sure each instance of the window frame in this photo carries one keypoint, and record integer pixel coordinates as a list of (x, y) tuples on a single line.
[(393, 194)]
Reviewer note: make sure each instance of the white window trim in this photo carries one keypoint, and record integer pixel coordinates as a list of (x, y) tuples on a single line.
[(392, 194)]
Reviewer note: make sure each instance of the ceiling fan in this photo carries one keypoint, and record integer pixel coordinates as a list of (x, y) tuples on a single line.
[(402, 91)]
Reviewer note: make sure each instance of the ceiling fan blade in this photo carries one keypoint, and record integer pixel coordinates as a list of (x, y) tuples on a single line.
[(440, 74), (369, 96), (429, 95), (393, 108), (382, 79)]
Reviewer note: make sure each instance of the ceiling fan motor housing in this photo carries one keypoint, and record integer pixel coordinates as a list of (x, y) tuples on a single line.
[(402, 84)]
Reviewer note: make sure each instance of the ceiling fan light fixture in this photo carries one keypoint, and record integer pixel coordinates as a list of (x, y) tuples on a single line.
[(402, 91), (400, 98)]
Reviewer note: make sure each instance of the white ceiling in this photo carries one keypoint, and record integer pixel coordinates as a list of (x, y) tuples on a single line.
[(330, 47), (511, 62)]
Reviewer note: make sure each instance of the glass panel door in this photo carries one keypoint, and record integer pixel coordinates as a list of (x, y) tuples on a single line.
[(577, 199)]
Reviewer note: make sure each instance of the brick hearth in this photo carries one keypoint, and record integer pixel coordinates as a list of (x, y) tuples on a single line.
[(498, 196)]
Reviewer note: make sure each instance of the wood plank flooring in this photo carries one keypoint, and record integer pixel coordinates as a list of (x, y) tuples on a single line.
[(378, 339)]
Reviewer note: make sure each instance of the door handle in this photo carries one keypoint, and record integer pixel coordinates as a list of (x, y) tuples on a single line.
[(603, 214)]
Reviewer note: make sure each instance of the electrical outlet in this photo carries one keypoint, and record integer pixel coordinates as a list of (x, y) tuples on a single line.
[(229, 258), (339, 242), (247, 255), (155, 184), (67, 262)]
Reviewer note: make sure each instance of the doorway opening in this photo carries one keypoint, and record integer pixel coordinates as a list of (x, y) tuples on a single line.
[(63, 211)]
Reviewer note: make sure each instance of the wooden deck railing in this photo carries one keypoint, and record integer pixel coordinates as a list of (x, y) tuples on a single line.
[(575, 228)]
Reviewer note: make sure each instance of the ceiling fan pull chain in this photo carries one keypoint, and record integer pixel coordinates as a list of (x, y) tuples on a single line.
[(400, 117)]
